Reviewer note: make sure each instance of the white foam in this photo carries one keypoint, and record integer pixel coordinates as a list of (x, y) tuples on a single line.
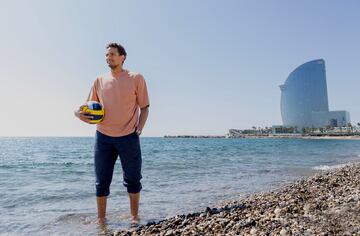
[(326, 167)]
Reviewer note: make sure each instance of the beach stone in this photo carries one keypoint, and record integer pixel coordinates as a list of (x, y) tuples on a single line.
[(253, 231), (170, 233), (277, 211), (283, 232)]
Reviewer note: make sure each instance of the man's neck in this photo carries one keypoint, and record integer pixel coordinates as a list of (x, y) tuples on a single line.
[(117, 71)]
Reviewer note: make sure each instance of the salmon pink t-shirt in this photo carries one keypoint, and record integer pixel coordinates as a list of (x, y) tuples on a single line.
[(121, 98)]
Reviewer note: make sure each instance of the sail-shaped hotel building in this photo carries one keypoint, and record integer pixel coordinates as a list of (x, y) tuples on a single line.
[(304, 99)]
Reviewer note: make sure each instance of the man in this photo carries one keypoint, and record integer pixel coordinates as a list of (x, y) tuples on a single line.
[(124, 97)]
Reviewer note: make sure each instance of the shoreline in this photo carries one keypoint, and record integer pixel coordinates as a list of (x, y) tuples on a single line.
[(326, 203), (312, 137), (294, 136)]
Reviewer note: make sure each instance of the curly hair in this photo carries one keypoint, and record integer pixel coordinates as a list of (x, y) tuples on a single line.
[(119, 47)]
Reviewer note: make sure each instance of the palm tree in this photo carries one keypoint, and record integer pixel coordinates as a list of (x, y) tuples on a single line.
[(328, 128)]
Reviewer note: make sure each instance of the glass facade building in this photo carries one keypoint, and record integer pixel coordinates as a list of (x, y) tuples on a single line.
[(304, 98)]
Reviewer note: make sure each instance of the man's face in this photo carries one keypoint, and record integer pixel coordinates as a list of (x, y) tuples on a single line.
[(113, 59)]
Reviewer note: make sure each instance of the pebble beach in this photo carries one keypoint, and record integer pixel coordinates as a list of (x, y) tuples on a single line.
[(327, 203)]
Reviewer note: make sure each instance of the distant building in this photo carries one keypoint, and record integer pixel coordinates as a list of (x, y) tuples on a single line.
[(280, 129), (331, 118), (304, 99), (238, 133), (235, 133)]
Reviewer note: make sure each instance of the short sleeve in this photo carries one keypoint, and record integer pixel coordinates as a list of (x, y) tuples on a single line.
[(142, 96), (93, 96)]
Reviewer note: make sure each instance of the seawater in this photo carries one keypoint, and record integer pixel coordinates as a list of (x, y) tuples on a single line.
[(47, 184)]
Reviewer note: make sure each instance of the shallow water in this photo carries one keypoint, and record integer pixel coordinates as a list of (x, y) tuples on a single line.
[(47, 184)]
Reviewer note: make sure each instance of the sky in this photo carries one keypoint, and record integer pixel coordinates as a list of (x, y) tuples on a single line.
[(209, 65)]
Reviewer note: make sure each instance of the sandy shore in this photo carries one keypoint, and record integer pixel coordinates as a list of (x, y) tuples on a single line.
[(325, 204)]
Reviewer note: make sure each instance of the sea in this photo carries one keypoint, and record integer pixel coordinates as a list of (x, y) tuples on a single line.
[(47, 184)]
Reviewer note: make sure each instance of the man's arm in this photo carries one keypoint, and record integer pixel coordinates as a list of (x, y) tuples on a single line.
[(144, 112)]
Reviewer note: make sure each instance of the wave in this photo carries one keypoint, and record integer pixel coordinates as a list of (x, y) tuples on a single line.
[(35, 165), (76, 217), (329, 167), (263, 171)]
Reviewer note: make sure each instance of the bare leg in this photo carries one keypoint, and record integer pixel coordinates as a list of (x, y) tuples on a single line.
[(101, 207), (134, 206)]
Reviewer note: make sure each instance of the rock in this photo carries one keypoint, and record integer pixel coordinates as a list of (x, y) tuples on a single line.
[(277, 211), (253, 231), (170, 233), (283, 232)]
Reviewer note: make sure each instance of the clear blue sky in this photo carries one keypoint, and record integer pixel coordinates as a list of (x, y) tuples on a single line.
[(209, 65)]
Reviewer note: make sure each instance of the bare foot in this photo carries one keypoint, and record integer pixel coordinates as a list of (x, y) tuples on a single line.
[(102, 227), (101, 221), (134, 222)]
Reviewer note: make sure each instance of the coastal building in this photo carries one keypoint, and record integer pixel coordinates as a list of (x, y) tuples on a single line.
[(304, 99), (280, 129)]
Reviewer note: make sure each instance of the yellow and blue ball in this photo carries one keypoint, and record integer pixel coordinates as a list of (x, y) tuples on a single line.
[(95, 111)]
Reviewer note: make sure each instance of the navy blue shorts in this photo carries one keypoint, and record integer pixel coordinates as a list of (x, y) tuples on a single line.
[(107, 150)]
